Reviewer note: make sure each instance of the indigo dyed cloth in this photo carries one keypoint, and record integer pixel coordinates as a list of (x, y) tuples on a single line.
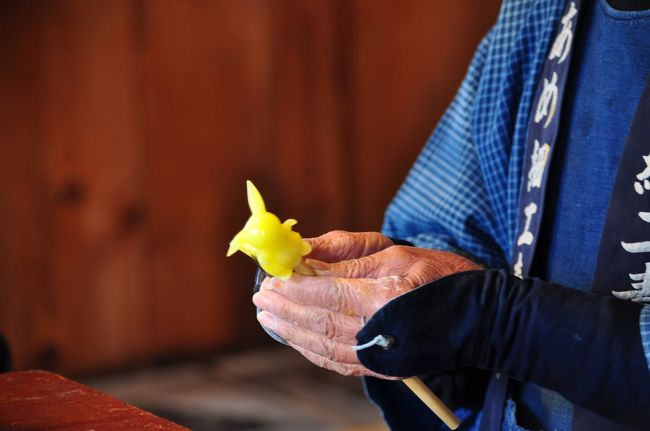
[(608, 72)]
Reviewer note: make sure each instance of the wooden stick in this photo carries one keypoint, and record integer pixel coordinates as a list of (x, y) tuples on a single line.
[(416, 385), (433, 402)]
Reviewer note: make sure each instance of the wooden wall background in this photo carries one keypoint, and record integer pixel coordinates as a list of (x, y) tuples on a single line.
[(127, 129)]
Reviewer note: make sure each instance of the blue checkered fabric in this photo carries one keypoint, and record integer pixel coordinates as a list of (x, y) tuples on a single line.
[(462, 193)]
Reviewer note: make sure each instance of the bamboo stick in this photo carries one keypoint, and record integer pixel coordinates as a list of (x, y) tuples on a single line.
[(432, 401)]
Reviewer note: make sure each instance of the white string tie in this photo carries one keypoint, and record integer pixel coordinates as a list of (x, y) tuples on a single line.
[(379, 340)]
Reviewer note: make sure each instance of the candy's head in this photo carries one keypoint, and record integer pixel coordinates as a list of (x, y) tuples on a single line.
[(273, 244)]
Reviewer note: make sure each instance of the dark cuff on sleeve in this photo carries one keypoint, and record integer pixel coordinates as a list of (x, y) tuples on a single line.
[(428, 326), (585, 346)]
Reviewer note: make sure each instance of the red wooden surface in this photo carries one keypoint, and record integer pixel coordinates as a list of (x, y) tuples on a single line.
[(38, 400)]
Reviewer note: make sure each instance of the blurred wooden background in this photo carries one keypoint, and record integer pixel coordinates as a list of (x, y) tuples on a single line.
[(127, 129)]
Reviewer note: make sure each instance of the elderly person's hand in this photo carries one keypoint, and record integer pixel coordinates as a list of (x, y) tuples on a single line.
[(320, 316), (339, 245)]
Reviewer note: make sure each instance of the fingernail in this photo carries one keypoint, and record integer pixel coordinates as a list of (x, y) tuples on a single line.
[(261, 300), (270, 283), (317, 265), (266, 319)]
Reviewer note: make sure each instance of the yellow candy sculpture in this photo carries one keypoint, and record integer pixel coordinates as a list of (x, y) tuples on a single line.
[(275, 247)]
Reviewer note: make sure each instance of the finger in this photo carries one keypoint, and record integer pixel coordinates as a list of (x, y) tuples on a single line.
[(351, 296), (335, 326), (418, 266), (344, 369), (340, 245), (396, 260), (333, 350)]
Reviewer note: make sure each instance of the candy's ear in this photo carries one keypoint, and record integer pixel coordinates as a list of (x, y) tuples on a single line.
[(235, 245), (290, 222), (255, 201)]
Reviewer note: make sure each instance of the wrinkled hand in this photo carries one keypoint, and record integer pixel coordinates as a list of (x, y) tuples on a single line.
[(339, 245), (320, 316)]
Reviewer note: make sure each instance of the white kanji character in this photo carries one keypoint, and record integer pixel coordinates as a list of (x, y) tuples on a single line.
[(644, 183), (547, 101), (518, 267), (641, 292), (527, 236), (562, 44), (641, 246), (636, 247), (538, 159)]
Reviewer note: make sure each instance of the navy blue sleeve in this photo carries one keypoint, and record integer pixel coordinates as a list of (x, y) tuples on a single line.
[(585, 346)]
